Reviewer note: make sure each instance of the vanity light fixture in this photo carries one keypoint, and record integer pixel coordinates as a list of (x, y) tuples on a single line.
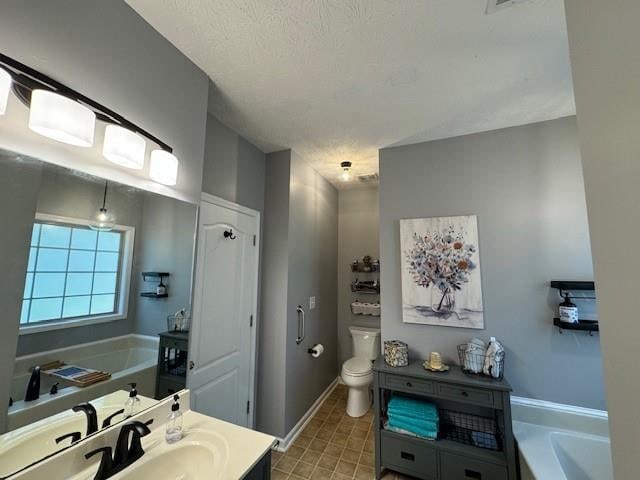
[(64, 114), (5, 86), (104, 221), (346, 171), (61, 118), (163, 167), (123, 147)]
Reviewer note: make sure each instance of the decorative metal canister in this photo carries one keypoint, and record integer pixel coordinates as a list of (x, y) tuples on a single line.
[(396, 353)]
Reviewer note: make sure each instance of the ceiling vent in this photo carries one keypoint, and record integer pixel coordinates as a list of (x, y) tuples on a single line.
[(368, 178), (495, 5)]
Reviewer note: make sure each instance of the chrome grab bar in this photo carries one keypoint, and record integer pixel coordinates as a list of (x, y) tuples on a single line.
[(301, 329)]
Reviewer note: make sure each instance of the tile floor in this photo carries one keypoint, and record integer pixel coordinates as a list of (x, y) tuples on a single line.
[(333, 446)]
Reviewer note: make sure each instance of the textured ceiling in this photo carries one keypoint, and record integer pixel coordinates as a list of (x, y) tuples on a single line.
[(338, 79)]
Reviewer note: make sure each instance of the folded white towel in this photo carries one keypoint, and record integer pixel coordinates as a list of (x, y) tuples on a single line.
[(474, 355)]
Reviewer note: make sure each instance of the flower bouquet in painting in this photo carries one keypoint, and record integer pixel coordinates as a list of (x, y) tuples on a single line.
[(440, 265)]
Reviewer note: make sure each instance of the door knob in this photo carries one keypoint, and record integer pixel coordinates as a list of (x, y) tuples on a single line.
[(191, 365)]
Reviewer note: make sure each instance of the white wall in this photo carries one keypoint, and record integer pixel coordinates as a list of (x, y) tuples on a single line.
[(104, 50), (358, 235), (603, 41)]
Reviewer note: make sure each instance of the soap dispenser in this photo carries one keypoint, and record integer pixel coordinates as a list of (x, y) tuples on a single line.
[(132, 405), (568, 310), (173, 432)]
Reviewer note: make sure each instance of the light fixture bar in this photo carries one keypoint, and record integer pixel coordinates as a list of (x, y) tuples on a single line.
[(31, 79)]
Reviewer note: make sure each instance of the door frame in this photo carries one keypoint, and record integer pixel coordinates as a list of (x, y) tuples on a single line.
[(255, 214)]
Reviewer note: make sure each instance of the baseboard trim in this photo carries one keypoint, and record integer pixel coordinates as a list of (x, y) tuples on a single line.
[(559, 407), (284, 443)]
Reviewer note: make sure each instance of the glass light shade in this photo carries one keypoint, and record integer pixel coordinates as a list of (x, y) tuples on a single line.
[(163, 167), (103, 221), (123, 147), (5, 87), (60, 118)]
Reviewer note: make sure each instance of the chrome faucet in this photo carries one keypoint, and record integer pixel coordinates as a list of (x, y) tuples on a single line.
[(33, 387), (128, 450)]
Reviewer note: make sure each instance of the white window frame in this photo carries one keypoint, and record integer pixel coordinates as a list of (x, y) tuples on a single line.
[(126, 263)]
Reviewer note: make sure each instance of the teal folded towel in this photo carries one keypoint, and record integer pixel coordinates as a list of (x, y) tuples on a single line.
[(423, 429), (410, 407), (406, 432), (418, 422)]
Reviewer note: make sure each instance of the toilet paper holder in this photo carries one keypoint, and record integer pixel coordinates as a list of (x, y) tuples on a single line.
[(316, 350)]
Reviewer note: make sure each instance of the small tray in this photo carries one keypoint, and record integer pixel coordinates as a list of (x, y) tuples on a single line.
[(73, 374)]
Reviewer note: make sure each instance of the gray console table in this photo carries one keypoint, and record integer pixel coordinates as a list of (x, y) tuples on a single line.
[(453, 456)]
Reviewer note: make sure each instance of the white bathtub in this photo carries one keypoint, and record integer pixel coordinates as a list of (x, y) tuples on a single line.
[(129, 358), (560, 442)]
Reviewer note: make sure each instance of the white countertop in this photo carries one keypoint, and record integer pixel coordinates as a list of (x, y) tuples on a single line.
[(237, 449)]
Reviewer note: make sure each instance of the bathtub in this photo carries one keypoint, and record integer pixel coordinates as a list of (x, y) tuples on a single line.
[(561, 442), (129, 358)]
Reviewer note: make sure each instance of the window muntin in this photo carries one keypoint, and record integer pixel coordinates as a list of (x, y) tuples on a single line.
[(73, 273)]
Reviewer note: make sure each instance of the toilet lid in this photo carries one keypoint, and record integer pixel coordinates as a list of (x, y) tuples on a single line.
[(357, 366)]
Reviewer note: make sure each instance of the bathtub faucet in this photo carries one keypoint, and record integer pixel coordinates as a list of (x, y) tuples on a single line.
[(91, 414), (33, 387)]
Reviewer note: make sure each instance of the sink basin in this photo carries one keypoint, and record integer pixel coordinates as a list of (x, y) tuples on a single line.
[(28, 444), (25, 445), (199, 455), (189, 462)]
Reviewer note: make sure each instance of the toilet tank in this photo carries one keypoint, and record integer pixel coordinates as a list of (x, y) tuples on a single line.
[(366, 342)]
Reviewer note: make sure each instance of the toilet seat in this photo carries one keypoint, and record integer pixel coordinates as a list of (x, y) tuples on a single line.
[(357, 367)]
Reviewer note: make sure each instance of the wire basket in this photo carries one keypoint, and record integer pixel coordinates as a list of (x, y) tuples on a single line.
[(481, 432), (179, 322), (474, 359)]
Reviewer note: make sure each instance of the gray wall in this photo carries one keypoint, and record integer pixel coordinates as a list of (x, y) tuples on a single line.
[(526, 186), (603, 43), (300, 252), (108, 52), (313, 257), (234, 169), (358, 235), (273, 325), (165, 243), (19, 184)]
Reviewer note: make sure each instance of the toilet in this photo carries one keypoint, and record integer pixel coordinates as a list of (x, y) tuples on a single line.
[(357, 372)]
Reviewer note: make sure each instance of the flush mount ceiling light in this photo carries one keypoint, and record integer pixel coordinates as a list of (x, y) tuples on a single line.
[(5, 86), (103, 221), (60, 118), (346, 171), (163, 167), (123, 147)]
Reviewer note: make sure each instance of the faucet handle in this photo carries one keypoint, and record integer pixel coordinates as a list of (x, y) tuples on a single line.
[(106, 462), (74, 436), (107, 421)]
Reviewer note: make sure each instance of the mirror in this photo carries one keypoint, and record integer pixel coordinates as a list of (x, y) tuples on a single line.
[(94, 271)]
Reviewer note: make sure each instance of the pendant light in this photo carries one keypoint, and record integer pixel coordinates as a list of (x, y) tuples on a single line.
[(346, 171), (123, 147), (60, 118), (163, 167), (103, 221), (5, 87)]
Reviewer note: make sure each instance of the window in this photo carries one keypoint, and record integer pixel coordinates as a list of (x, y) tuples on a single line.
[(75, 274)]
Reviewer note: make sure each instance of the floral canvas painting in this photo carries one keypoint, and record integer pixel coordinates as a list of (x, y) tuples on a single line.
[(441, 282)]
